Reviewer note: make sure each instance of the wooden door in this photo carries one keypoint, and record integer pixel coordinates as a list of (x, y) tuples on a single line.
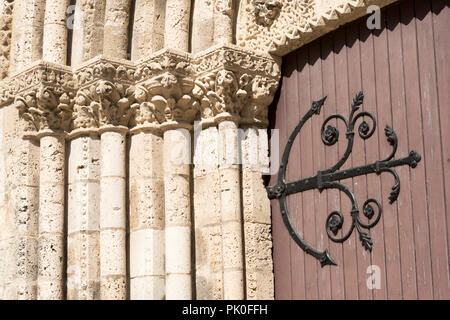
[(403, 70)]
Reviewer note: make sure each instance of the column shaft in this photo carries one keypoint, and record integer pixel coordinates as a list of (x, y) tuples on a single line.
[(55, 31), (230, 196), (148, 28), (116, 28), (88, 30), (83, 249), (51, 218), (113, 215), (147, 269), (202, 25), (177, 149), (223, 22), (257, 220), (208, 219), (177, 24)]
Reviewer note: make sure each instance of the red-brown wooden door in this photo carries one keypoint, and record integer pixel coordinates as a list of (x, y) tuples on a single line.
[(403, 70)]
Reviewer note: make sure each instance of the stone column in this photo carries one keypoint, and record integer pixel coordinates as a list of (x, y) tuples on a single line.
[(148, 28), (55, 31), (88, 30), (26, 40), (51, 216), (83, 248), (230, 197), (23, 158), (176, 34), (177, 150), (113, 262), (147, 250), (257, 219), (208, 219), (202, 25), (223, 22), (116, 28)]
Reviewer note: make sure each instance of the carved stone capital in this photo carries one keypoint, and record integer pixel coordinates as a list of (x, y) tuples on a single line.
[(167, 90), (103, 103), (46, 109)]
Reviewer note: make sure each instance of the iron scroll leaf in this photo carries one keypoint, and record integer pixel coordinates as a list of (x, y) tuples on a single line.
[(329, 178)]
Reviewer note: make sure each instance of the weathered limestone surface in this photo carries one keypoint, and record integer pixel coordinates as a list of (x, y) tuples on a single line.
[(27, 34), (223, 21), (230, 197), (147, 249), (51, 217), (88, 30), (177, 24), (148, 29), (115, 43), (6, 11), (208, 219), (202, 25), (83, 226), (177, 150), (279, 27), (113, 261), (256, 215), (55, 31)]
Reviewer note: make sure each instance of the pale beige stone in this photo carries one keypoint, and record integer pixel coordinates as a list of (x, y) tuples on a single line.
[(177, 148), (147, 238), (115, 42), (51, 217), (176, 35), (148, 30), (112, 215), (230, 197), (55, 31), (83, 255)]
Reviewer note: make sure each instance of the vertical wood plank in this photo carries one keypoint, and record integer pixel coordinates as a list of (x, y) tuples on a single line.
[(358, 154), (320, 198), (415, 139), (393, 272), (403, 203), (432, 144), (331, 156), (294, 172), (343, 107), (281, 241), (441, 26), (306, 151), (369, 87)]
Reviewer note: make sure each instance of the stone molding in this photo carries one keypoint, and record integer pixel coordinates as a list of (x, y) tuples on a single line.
[(280, 27), (167, 90)]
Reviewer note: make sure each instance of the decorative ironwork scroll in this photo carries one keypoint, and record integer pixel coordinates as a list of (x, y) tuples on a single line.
[(328, 179)]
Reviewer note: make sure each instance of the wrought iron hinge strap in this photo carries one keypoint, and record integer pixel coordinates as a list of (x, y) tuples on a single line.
[(328, 179)]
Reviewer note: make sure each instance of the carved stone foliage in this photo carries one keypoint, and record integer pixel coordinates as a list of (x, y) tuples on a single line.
[(46, 108), (103, 103), (239, 95), (164, 99), (170, 89), (280, 27)]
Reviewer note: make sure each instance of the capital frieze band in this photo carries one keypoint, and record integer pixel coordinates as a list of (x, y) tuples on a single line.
[(168, 90)]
